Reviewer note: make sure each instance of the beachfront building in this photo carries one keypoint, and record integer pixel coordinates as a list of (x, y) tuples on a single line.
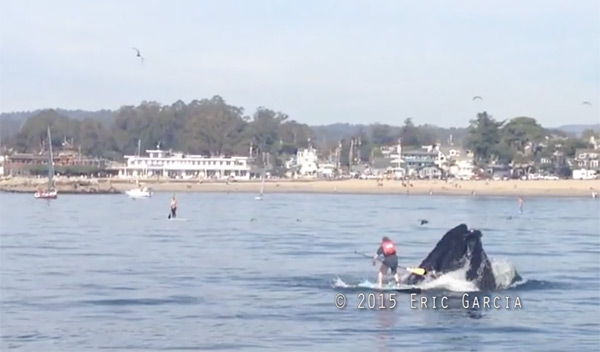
[(462, 169), (25, 164), (326, 170), (161, 163), (457, 162), (587, 158), (396, 163), (584, 174), (587, 164), (429, 161), (304, 164), (415, 160)]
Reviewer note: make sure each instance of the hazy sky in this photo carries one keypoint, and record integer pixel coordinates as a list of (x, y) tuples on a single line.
[(318, 61)]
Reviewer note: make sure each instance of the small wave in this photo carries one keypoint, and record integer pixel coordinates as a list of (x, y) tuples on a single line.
[(318, 281), (30, 337), (205, 347), (103, 287), (533, 285), (143, 301)]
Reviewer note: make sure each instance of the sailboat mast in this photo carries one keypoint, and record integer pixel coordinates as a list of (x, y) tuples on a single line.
[(262, 184), (50, 161)]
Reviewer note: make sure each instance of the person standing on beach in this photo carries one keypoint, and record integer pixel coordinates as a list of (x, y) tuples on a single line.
[(173, 213), (390, 260)]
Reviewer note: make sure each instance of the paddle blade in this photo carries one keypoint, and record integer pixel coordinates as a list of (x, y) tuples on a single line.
[(417, 271)]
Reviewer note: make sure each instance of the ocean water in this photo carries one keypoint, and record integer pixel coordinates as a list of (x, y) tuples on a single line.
[(104, 272)]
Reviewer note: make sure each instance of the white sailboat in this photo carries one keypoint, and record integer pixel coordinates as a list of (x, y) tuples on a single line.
[(262, 188), (50, 192)]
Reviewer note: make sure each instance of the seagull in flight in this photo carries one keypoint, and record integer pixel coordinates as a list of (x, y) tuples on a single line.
[(477, 97), (586, 103), (139, 55)]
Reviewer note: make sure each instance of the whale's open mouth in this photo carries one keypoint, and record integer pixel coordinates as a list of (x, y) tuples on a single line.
[(459, 250)]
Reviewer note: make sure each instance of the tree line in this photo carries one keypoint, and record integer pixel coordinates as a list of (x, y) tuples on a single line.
[(212, 127), (522, 141)]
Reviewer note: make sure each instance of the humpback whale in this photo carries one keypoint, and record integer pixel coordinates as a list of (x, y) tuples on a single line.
[(459, 247)]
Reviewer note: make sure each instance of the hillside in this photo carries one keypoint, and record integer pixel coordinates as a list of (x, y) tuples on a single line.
[(12, 123), (323, 136), (578, 129)]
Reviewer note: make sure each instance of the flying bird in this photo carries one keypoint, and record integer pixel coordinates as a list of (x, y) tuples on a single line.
[(586, 103), (424, 221), (477, 97), (139, 55)]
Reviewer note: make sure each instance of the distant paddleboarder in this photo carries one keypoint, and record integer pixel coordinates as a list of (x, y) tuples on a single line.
[(390, 260), (520, 205), (173, 213)]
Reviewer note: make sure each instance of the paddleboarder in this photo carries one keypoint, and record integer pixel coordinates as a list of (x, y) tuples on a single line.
[(520, 205), (387, 248), (173, 213)]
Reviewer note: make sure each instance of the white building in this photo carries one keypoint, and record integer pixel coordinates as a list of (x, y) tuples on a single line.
[(305, 163), (1, 165), (462, 169), (458, 162), (584, 174), (160, 163), (326, 170), (397, 164)]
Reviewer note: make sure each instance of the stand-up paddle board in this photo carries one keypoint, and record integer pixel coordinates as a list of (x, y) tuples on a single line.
[(401, 289), (408, 290), (389, 287)]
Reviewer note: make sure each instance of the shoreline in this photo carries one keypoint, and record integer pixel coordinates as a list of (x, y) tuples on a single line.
[(517, 188)]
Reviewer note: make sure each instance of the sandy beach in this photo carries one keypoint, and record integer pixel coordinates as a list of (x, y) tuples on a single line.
[(568, 188), (490, 188)]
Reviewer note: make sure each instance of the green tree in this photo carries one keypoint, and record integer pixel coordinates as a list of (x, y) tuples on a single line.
[(521, 135), (483, 138), (383, 135), (409, 133)]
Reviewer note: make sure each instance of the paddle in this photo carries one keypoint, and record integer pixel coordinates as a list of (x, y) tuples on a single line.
[(416, 271)]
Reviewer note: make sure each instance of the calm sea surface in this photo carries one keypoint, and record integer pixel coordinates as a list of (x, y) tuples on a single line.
[(85, 273)]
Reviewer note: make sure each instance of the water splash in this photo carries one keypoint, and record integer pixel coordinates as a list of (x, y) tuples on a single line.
[(505, 274)]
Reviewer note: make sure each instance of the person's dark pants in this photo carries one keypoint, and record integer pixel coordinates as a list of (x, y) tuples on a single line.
[(173, 212), (391, 261)]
